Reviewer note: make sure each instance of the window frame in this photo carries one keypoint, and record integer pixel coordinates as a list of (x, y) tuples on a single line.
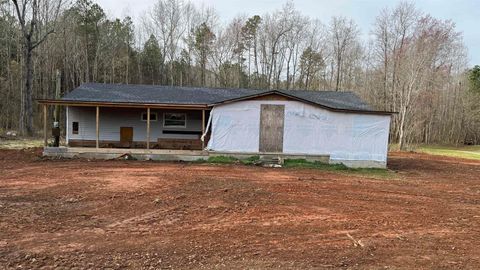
[(77, 130), (164, 118), (151, 113)]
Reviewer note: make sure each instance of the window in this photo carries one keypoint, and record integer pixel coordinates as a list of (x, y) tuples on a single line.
[(74, 127), (153, 116), (174, 120)]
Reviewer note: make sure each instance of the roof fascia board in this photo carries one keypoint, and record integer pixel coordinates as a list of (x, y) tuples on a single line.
[(119, 104)]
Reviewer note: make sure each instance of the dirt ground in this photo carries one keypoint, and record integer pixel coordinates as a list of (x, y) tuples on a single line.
[(82, 214)]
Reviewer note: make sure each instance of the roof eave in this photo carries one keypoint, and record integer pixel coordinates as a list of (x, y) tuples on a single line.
[(83, 103)]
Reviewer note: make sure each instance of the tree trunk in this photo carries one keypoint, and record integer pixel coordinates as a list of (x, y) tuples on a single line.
[(289, 78), (401, 136), (26, 112), (255, 56), (337, 83), (171, 71), (128, 57), (385, 70)]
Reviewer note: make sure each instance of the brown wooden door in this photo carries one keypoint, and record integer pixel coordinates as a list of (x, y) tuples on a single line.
[(271, 128), (126, 136)]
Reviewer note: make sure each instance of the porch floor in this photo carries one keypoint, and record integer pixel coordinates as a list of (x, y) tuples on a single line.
[(116, 153)]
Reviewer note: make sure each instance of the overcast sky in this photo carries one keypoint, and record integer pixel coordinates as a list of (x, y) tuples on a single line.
[(465, 13)]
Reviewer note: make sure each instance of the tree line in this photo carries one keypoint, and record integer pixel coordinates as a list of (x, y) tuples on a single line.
[(411, 63)]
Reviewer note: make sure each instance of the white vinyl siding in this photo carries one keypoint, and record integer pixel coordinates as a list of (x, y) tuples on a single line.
[(111, 119)]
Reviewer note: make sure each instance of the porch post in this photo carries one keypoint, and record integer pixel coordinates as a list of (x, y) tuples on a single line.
[(148, 128), (97, 116), (203, 129), (45, 136)]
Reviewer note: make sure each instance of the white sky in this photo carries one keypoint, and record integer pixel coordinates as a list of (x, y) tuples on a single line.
[(465, 13)]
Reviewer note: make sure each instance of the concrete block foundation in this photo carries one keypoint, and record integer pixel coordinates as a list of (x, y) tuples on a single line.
[(191, 155)]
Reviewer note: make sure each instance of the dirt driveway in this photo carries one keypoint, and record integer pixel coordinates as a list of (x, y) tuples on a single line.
[(145, 215)]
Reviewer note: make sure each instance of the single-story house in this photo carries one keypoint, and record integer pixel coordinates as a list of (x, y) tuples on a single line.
[(228, 121)]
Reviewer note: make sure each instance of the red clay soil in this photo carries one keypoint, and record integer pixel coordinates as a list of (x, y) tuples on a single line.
[(84, 214)]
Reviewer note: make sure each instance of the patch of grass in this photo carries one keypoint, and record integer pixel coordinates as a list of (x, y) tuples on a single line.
[(20, 143), (303, 163), (371, 172), (200, 160), (229, 160), (251, 160), (467, 151), (222, 160)]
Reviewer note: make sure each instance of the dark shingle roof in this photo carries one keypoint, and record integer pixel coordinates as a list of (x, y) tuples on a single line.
[(152, 94), (332, 99)]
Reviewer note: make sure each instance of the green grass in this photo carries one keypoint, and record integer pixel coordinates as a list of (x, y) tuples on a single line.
[(251, 160), (302, 163), (229, 160), (222, 160), (370, 172), (20, 143), (468, 152)]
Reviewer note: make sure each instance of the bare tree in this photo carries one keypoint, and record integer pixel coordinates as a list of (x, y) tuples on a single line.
[(382, 33), (167, 23), (343, 35), (274, 30), (36, 25)]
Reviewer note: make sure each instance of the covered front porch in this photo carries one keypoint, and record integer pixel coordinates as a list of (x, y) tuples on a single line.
[(129, 126)]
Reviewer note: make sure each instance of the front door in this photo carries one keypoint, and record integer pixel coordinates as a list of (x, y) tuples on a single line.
[(271, 128), (126, 136)]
